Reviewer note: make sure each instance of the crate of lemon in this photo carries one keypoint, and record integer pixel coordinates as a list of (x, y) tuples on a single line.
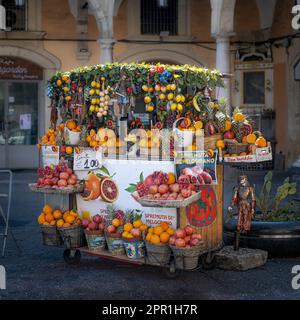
[(157, 248), (61, 228)]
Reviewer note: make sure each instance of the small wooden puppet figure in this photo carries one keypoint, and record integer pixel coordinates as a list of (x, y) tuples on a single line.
[(244, 200)]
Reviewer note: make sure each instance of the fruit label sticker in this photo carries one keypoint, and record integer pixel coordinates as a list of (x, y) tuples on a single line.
[(203, 212), (87, 159), (50, 156)]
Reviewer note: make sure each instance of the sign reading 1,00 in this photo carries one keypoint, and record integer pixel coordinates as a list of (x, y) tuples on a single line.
[(87, 159), (91, 164)]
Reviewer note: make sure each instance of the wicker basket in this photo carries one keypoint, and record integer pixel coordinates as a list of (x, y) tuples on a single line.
[(187, 259), (72, 236), (135, 248), (237, 148), (158, 254), (115, 244), (211, 141), (51, 236), (95, 240)]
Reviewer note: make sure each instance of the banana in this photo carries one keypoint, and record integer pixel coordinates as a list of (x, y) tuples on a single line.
[(195, 103)]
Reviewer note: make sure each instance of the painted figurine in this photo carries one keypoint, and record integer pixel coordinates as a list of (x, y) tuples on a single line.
[(244, 200)]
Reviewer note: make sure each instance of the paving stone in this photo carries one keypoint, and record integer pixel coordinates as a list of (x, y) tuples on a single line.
[(241, 260)]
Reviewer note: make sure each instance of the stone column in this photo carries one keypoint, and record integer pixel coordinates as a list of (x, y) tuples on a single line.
[(223, 63), (106, 47)]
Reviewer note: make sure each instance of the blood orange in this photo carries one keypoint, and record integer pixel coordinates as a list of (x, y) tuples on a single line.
[(109, 190)]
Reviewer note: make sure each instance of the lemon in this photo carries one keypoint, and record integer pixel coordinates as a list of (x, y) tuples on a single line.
[(59, 82), (93, 84), (91, 92), (157, 87), (150, 108), (179, 107), (182, 98), (173, 87), (147, 99), (173, 107), (92, 108), (169, 87), (162, 96), (94, 101), (178, 98), (145, 88), (170, 96)]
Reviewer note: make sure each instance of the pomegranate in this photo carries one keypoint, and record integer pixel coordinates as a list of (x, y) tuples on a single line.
[(196, 236), (157, 196), (163, 188), (92, 225), (62, 183), (136, 232), (73, 176), (187, 172), (194, 242), (153, 189), (188, 230), (64, 175), (97, 218), (206, 177), (69, 171), (173, 196), (180, 197), (101, 226), (228, 135), (186, 193), (71, 181), (174, 187), (172, 240), (200, 179), (165, 196), (180, 233), (187, 239), (149, 181), (111, 229), (149, 197), (188, 246), (180, 243)]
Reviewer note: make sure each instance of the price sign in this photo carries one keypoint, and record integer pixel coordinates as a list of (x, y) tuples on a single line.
[(50, 155), (87, 159)]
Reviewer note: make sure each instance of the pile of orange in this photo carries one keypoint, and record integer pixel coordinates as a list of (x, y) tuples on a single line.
[(57, 218), (49, 138), (128, 227), (72, 126), (160, 234)]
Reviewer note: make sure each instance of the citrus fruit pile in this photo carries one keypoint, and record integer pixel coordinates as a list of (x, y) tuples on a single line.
[(160, 234), (73, 126), (115, 226), (134, 230), (57, 218)]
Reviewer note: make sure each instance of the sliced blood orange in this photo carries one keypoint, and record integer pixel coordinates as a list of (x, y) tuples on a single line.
[(109, 190)]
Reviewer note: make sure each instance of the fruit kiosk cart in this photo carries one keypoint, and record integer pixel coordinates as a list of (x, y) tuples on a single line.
[(132, 165)]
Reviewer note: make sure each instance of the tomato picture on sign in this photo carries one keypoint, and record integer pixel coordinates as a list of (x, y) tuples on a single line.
[(203, 212)]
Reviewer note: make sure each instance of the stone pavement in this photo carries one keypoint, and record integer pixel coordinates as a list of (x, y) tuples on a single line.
[(40, 272)]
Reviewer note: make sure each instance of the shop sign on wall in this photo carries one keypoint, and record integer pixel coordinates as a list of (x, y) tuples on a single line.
[(14, 68)]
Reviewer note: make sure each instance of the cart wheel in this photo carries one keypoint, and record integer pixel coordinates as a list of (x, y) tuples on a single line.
[(72, 256), (171, 272), (208, 261)]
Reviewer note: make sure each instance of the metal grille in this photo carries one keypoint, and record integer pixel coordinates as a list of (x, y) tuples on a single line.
[(159, 16), (16, 14)]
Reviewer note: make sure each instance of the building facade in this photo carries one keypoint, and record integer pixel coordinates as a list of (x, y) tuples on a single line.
[(252, 40)]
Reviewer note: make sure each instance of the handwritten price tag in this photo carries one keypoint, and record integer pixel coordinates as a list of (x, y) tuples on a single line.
[(87, 159)]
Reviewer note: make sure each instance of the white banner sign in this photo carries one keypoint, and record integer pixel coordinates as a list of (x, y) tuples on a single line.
[(87, 159), (126, 172)]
